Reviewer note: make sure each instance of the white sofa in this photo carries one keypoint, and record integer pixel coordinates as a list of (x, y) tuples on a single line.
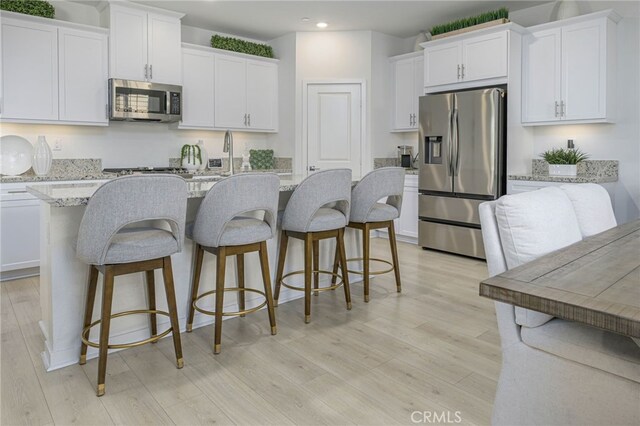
[(556, 372)]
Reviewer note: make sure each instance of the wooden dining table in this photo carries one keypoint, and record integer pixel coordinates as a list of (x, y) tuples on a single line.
[(595, 281)]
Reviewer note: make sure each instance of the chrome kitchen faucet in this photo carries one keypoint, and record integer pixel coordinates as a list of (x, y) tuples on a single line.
[(228, 147)]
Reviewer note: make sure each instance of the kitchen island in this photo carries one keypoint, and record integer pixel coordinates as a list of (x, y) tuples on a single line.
[(63, 278)]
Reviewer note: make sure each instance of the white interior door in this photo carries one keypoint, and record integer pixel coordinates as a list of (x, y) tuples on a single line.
[(334, 127)]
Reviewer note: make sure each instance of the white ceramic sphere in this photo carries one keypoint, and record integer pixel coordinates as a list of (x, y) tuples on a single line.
[(15, 155)]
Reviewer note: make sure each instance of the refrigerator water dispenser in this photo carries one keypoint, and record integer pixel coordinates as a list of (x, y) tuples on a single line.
[(433, 148)]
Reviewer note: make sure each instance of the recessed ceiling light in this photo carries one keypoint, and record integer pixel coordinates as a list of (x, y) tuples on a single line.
[(322, 25), (305, 19)]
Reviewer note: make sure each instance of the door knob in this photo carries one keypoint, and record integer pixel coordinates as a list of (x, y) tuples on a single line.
[(313, 168)]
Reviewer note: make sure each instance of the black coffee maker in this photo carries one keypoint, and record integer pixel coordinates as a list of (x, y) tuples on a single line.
[(405, 156)]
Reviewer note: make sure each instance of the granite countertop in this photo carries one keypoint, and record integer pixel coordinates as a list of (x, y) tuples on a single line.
[(589, 171), (78, 194)]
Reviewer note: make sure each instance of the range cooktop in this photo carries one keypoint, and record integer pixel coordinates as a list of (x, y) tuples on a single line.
[(146, 170)]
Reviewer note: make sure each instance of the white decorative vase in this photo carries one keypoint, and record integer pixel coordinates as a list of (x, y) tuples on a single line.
[(42, 157), (190, 159), (563, 170), (203, 155), (564, 9)]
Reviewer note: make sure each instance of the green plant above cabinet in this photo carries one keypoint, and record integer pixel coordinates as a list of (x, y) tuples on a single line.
[(241, 46), (29, 7), (502, 13)]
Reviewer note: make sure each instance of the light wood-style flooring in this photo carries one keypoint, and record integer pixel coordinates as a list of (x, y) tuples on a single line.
[(434, 347)]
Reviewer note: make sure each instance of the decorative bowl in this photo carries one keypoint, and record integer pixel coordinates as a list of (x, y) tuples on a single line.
[(15, 155)]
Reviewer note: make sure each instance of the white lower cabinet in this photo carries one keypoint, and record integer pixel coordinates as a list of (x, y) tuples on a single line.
[(407, 223), (406, 226), (19, 231)]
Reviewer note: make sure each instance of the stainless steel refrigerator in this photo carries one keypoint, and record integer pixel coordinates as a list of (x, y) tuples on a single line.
[(462, 156)]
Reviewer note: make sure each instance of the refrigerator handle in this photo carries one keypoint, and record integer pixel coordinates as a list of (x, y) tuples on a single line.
[(450, 144), (456, 135)]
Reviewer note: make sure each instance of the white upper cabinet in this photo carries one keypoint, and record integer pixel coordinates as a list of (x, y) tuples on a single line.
[(442, 64), (198, 94), (541, 76), (246, 93), (53, 72), (467, 59), (164, 47), (484, 57), (231, 92), (83, 72), (145, 46), (29, 70), (228, 91), (407, 75), (262, 95), (568, 71)]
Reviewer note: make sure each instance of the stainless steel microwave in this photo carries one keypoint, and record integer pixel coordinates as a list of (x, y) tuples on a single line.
[(131, 100)]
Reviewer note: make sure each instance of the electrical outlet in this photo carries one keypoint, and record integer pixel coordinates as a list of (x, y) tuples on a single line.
[(57, 145), (215, 163)]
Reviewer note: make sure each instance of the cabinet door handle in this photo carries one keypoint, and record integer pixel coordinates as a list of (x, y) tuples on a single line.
[(556, 109), (23, 191), (150, 72), (463, 71), (245, 119), (562, 109), (413, 119), (458, 71), (106, 108), (146, 72), (249, 120)]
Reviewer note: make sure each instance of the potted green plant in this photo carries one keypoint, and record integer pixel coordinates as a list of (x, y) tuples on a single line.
[(563, 162), (191, 157)]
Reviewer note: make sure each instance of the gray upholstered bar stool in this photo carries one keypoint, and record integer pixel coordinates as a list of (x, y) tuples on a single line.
[(318, 209), (368, 213), (223, 228), (110, 243)]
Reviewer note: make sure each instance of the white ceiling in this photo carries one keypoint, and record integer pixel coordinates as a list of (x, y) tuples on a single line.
[(266, 20)]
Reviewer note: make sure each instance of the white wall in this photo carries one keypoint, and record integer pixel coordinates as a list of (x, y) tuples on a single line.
[(284, 48), (327, 56), (621, 140)]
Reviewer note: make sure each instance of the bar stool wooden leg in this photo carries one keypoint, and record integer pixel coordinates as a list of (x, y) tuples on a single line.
[(88, 308), (151, 296), (365, 260), (284, 240), (308, 266), (345, 273), (107, 297), (394, 255), (336, 261), (316, 266), (266, 279), (194, 286), (221, 261), (240, 280), (167, 271)]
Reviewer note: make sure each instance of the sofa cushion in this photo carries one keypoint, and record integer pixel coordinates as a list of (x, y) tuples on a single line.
[(532, 224), (592, 205), (587, 345)]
